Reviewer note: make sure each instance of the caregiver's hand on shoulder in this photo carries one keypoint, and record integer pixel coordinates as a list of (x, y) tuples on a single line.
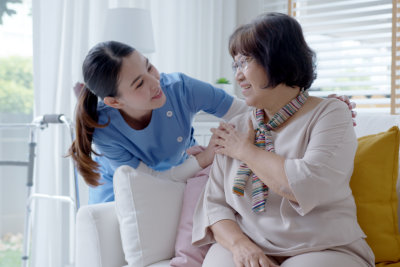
[(247, 254), (232, 142), (350, 104)]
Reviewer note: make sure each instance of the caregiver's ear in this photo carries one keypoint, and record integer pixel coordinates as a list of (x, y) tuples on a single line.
[(112, 102)]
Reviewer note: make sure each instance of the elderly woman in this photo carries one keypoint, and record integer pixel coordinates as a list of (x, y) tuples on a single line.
[(278, 193)]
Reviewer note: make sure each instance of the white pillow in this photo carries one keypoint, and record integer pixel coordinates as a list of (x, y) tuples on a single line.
[(148, 210)]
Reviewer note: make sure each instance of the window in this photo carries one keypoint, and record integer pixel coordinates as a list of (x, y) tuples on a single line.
[(16, 76), (16, 106), (353, 42), (395, 103)]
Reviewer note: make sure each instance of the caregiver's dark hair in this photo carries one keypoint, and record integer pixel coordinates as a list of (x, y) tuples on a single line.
[(277, 43), (101, 69)]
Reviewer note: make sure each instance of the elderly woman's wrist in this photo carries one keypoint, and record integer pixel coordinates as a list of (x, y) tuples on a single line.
[(247, 152)]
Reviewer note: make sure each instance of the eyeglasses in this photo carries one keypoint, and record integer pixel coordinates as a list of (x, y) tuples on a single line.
[(241, 64)]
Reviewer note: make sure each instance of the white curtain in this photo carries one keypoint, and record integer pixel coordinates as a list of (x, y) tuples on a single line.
[(62, 33), (191, 36), (197, 32)]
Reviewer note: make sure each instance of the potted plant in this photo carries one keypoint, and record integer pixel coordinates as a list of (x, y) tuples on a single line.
[(225, 84)]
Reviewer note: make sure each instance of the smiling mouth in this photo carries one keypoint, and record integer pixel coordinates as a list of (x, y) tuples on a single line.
[(245, 88), (158, 95)]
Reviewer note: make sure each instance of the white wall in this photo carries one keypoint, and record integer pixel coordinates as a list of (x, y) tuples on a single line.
[(247, 10)]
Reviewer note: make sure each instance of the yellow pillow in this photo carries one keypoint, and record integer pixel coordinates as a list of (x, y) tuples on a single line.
[(387, 264), (374, 189)]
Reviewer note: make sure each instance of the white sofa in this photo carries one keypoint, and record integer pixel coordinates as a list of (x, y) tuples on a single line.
[(98, 241)]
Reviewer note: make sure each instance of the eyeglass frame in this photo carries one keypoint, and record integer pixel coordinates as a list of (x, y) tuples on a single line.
[(241, 64)]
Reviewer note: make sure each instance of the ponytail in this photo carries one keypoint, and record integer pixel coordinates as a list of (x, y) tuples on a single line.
[(100, 70), (81, 149)]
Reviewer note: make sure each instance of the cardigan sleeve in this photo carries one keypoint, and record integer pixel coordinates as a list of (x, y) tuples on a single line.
[(323, 174), (212, 205)]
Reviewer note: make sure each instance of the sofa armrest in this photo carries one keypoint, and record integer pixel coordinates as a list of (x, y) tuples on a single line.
[(98, 240)]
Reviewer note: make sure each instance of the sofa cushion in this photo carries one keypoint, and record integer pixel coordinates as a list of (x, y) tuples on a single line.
[(148, 210), (187, 255), (374, 188), (98, 242), (385, 264), (373, 123)]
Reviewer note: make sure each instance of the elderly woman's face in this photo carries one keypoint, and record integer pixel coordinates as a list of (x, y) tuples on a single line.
[(252, 79)]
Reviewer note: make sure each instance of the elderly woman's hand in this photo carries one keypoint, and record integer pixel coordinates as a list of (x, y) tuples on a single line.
[(247, 254), (232, 142)]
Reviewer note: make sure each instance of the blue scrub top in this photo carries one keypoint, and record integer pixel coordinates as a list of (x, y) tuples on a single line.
[(163, 143)]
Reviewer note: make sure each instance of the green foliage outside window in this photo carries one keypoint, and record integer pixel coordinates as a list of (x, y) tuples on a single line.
[(4, 9), (16, 85)]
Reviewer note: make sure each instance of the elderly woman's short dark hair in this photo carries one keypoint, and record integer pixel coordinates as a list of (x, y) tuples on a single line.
[(277, 43)]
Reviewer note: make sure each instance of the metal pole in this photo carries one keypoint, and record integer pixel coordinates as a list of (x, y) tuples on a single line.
[(29, 184)]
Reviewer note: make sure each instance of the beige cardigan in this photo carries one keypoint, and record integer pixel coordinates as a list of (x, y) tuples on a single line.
[(319, 147)]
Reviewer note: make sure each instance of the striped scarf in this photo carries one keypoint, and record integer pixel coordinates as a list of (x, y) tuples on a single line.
[(263, 139)]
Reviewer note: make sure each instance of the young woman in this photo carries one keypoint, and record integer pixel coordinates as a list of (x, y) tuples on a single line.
[(143, 119), (278, 192)]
